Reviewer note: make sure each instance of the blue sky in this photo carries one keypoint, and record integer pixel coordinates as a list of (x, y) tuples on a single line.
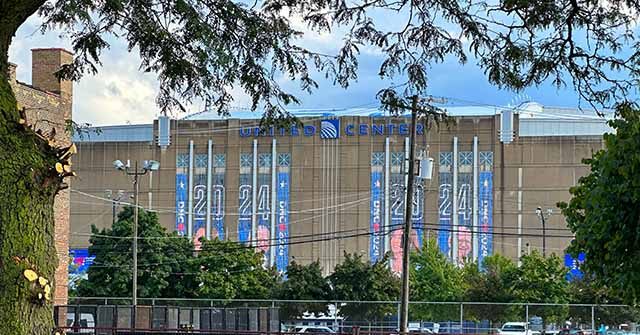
[(121, 94)]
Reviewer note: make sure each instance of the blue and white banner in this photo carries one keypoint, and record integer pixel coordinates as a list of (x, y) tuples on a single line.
[(182, 184), (282, 229), (80, 263), (181, 203), (485, 207), (445, 199), (282, 255), (245, 201), (485, 199), (376, 240), (574, 266), (218, 197), (263, 208)]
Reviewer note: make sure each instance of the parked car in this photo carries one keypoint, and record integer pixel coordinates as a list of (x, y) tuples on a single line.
[(314, 330), (516, 328), (415, 330), (571, 331)]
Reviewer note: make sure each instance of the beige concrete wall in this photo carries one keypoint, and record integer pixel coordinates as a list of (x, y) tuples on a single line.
[(330, 173)]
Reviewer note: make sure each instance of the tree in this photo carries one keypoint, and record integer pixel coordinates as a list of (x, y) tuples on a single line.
[(590, 291), (434, 278), (230, 270), (492, 284), (358, 280), (163, 259), (542, 280), (202, 49), (303, 282), (603, 212)]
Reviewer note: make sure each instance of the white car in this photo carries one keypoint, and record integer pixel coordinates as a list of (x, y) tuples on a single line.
[(516, 328), (314, 330)]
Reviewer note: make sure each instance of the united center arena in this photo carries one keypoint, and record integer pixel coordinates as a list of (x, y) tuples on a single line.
[(335, 183)]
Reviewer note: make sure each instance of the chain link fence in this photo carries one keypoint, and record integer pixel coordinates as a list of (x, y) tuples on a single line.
[(344, 317)]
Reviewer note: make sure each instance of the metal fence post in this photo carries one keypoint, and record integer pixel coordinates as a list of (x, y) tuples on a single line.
[(461, 318), (526, 315), (593, 319), (335, 318), (398, 316)]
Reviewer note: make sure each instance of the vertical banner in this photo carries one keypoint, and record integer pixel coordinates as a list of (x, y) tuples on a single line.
[(79, 265), (376, 208), (282, 229), (396, 201), (445, 199), (182, 182), (397, 210), (465, 206), (263, 208), (199, 198), (573, 264), (485, 199), (245, 198), (217, 197)]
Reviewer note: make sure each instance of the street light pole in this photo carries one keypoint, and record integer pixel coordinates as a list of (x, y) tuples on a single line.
[(543, 221), (136, 189), (148, 166)]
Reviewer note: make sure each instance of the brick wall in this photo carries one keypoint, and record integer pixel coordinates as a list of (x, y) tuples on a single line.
[(48, 102)]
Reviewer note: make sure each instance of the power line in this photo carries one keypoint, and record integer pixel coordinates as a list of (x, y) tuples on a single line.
[(415, 226)]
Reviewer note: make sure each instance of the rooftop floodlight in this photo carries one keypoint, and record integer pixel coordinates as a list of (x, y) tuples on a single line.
[(118, 165), (152, 165)]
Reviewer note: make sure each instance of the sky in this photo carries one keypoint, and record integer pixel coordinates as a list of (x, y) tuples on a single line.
[(121, 94)]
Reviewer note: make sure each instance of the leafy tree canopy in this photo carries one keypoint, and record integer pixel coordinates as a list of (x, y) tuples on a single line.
[(358, 280), (433, 278), (493, 284), (604, 211), (162, 259), (541, 279), (303, 282), (201, 49), (588, 291), (229, 270)]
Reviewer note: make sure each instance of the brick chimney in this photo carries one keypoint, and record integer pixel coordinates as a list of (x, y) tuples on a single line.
[(12, 73), (44, 64)]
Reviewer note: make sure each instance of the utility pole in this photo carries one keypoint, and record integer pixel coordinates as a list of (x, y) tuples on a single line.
[(406, 241), (543, 221), (136, 190), (148, 166), (114, 202)]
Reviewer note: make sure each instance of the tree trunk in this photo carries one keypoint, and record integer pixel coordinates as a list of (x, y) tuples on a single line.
[(28, 185)]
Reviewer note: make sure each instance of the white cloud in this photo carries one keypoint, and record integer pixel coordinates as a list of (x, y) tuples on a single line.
[(117, 94)]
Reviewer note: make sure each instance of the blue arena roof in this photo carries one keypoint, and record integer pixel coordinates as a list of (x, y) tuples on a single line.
[(123, 133), (535, 120)]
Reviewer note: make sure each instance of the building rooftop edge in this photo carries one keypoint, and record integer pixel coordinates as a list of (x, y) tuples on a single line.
[(52, 49)]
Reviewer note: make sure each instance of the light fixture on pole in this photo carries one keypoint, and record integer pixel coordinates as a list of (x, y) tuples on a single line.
[(146, 167), (543, 221)]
